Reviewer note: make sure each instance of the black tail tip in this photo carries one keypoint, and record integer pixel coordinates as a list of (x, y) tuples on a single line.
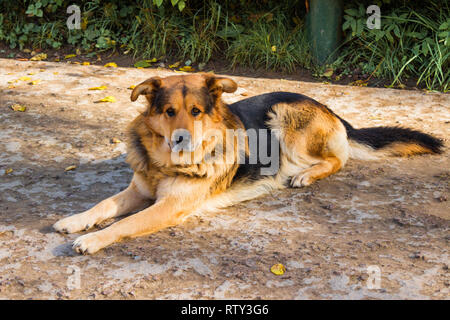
[(437, 146)]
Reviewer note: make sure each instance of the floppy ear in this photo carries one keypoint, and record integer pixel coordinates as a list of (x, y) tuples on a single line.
[(218, 85), (148, 88)]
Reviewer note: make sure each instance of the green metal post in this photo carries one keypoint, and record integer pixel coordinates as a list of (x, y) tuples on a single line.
[(324, 28)]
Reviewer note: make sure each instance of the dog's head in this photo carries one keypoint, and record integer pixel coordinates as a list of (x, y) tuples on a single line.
[(179, 105)]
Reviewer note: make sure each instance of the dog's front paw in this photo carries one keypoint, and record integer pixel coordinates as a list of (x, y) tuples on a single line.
[(89, 243), (71, 224)]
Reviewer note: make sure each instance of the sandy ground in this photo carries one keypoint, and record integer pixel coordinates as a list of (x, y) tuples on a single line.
[(389, 216)]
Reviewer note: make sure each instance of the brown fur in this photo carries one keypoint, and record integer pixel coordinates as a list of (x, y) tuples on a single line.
[(407, 149)]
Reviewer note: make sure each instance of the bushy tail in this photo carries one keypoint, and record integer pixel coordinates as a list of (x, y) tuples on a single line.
[(376, 142)]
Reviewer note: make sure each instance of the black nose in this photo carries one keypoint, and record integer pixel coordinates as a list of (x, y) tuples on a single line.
[(180, 138)]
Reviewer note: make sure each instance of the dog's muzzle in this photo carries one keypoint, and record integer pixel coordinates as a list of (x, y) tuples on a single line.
[(181, 141)]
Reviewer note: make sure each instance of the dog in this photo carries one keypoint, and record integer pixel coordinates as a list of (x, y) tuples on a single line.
[(188, 172)]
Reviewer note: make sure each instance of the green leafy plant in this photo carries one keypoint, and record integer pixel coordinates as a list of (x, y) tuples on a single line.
[(272, 45), (409, 44), (413, 42)]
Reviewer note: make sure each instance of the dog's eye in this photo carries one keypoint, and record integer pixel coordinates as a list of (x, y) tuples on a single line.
[(170, 112), (195, 112)]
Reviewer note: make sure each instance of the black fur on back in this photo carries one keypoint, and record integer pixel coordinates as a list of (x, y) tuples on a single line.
[(253, 112), (379, 137)]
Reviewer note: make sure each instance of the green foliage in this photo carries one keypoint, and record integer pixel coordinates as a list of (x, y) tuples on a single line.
[(271, 44), (414, 39), (410, 43), (178, 3)]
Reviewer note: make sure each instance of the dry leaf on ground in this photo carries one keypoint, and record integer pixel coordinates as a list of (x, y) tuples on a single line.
[(278, 269), (108, 99), (18, 107)]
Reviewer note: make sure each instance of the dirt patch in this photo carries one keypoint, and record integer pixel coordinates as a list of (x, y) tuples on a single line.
[(390, 214)]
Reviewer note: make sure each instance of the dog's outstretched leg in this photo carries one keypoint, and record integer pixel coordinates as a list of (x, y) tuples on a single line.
[(164, 213), (124, 202), (177, 198)]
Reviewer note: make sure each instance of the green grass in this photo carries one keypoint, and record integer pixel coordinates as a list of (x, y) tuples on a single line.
[(271, 45), (412, 43), (409, 44), (199, 41)]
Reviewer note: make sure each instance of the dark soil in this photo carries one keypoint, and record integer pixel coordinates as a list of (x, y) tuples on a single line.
[(217, 64)]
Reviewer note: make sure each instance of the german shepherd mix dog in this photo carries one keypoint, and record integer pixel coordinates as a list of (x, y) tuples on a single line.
[(309, 140)]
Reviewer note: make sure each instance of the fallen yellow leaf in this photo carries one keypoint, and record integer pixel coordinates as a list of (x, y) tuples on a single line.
[(175, 65), (278, 269), (108, 99), (39, 57), (18, 107), (70, 56), (35, 82), (13, 81), (111, 65), (86, 63), (328, 72), (84, 23), (98, 88), (31, 73), (11, 86), (186, 69), (115, 140), (132, 87), (55, 73), (9, 170), (24, 78), (359, 83), (69, 168)]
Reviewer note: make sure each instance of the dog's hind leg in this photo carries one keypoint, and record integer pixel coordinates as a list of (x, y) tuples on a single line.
[(313, 142), (124, 202)]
